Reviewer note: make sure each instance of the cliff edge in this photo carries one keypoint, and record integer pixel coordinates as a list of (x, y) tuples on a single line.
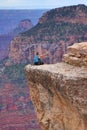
[(59, 93)]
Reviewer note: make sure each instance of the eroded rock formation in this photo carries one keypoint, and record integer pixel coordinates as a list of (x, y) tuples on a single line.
[(59, 94), (77, 54)]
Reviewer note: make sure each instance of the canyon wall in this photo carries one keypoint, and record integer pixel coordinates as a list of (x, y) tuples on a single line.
[(59, 92), (55, 31)]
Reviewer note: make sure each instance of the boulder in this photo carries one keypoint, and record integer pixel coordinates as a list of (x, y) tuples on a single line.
[(76, 54)]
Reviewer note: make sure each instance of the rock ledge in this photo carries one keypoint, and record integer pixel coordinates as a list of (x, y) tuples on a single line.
[(59, 92)]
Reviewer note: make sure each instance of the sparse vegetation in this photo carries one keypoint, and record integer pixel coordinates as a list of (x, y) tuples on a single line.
[(61, 30), (49, 28)]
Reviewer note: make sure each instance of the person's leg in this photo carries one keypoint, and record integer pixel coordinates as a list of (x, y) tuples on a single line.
[(40, 62), (36, 63)]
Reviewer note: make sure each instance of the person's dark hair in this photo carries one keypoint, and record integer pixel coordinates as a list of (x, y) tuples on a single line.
[(37, 53)]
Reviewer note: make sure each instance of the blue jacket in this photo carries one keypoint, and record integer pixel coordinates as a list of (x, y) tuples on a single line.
[(35, 58)]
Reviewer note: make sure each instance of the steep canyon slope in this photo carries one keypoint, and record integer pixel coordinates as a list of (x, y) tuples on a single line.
[(6, 38), (56, 29)]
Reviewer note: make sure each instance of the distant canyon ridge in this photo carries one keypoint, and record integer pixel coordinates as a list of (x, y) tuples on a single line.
[(9, 19), (55, 31), (12, 22), (6, 39)]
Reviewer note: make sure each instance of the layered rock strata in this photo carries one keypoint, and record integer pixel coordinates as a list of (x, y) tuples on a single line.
[(59, 94), (76, 54)]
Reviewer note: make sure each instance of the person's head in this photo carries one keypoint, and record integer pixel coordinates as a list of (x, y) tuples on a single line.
[(37, 53)]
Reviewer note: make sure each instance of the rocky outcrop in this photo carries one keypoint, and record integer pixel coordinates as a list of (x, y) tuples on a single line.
[(59, 94), (76, 54), (23, 26)]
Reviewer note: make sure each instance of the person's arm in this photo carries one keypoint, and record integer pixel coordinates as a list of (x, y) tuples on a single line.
[(43, 55)]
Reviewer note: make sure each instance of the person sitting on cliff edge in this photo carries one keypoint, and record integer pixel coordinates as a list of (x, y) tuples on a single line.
[(38, 59)]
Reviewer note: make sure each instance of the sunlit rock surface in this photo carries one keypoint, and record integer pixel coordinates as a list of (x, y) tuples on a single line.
[(59, 94), (77, 54)]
